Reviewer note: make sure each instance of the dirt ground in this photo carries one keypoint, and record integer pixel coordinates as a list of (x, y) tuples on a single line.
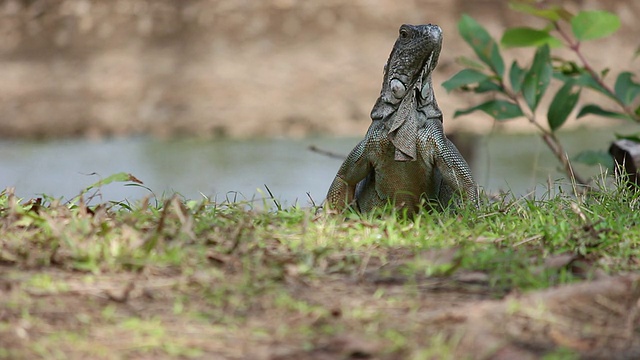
[(190, 279), (231, 68), (151, 315)]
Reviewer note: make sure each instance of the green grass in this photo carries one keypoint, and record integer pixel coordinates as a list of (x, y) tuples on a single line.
[(192, 278)]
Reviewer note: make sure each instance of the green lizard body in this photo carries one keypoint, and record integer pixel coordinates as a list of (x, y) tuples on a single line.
[(405, 158)]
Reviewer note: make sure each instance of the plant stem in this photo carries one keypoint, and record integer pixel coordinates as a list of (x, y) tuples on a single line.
[(556, 147), (575, 47), (549, 138)]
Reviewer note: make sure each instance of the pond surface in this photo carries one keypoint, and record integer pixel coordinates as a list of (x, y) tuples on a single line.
[(227, 169)]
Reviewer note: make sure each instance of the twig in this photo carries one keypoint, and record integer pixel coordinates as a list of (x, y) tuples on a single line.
[(326, 152), (557, 149), (575, 47), (124, 297), (549, 138), (529, 239)]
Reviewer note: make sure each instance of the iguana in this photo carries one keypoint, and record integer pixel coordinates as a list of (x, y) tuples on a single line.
[(405, 157)]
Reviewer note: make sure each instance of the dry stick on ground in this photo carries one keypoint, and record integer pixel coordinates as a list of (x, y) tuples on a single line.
[(123, 297)]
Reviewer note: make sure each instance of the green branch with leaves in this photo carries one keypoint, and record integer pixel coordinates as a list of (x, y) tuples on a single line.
[(519, 90)]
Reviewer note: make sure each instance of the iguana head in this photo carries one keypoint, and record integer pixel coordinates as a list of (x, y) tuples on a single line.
[(407, 86), (413, 58)]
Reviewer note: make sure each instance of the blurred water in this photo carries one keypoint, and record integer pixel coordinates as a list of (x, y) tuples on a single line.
[(240, 169), (217, 168)]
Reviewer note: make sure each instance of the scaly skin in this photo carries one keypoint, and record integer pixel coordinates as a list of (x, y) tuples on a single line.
[(405, 158)]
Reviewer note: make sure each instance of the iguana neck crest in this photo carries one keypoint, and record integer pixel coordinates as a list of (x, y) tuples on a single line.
[(407, 91)]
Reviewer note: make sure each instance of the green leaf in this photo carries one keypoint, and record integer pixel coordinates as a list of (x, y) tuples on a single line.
[(553, 13), (464, 77), (119, 177), (516, 76), (469, 63), (488, 85), (568, 68), (593, 109), (525, 36), (626, 89), (537, 78), (594, 158), (584, 79), (633, 137), (482, 43), (590, 25), (562, 105), (497, 109)]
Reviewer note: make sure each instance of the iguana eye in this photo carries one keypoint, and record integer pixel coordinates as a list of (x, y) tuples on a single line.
[(404, 34), (398, 89)]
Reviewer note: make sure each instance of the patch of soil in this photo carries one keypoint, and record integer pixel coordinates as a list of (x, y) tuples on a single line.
[(160, 314)]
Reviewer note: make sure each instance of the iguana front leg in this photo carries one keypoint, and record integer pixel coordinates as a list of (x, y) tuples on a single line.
[(439, 151), (354, 169)]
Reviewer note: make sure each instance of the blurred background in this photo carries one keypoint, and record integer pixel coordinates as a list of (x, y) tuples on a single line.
[(217, 97)]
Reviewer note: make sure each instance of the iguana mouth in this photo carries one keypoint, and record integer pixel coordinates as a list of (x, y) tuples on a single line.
[(430, 62), (425, 72)]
